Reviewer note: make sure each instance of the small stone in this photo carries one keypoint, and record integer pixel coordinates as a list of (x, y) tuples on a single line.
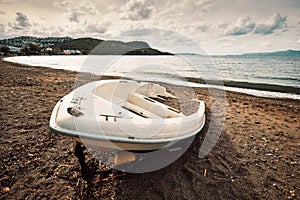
[(252, 137), (278, 134), (293, 175), (257, 122), (5, 190), (275, 185), (274, 168), (263, 138), (292, 193)]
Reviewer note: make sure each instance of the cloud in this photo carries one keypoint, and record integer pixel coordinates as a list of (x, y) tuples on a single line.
[(50, 30), (198, 7), (275, 22), (139, 32), (76, 9), (204, 5), (97, 27), (298, 40), (2, 32), (90, 28), (243, 26), (137, 10), (21, 22), (163, 39), (265, 45), (225, 45), (73, 16), (6, 1), (202, 28), (225, 39)]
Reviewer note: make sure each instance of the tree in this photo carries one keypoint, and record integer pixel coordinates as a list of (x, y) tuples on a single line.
[(26, 50), (34, 49), (31, 49), (4, 49)]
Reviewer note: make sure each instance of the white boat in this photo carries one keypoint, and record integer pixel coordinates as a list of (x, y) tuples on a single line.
[(125, 115)]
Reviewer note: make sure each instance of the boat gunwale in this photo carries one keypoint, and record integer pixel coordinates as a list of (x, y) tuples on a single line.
[(78, 134)]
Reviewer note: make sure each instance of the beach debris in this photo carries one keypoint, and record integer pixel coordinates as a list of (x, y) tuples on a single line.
[(232, 178), (275, 185), (293, 162), (278, 134), (264, 139), (4, 178), (252, 137), (7, 141), (274, 168), (263, 160), (122, 157), (5, 189), (292, 193), (205, 171), (293, 175)]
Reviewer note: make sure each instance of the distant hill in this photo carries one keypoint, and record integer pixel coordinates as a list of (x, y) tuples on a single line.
[(22, 41), (147, 51), (138, 44), (85, 45), (277, 53), (122, 48)]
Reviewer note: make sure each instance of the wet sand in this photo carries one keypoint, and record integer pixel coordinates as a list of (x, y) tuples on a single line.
[(257, 155)]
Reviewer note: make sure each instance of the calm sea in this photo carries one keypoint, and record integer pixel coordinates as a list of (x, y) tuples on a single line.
[(268, 76)]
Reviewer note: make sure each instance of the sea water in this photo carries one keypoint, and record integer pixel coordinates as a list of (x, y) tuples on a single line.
[(266, 76)]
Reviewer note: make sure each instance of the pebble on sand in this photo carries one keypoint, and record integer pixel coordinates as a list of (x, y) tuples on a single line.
[(5, 190)]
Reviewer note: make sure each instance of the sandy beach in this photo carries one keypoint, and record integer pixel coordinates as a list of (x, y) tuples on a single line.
[(256, 157)]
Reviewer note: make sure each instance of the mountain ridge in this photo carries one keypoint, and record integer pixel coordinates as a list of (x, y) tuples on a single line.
[(288, 52), (86, 45)]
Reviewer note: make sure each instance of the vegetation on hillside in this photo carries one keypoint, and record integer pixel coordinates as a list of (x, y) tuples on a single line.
[(85, 45)]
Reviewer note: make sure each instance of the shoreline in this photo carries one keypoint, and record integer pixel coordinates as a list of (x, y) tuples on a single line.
[(254, 89), (256, 157)]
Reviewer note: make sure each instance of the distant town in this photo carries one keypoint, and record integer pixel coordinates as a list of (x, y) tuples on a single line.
[(28, 45)]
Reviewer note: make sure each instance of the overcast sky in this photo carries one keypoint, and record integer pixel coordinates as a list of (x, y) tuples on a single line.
[(205, 26)]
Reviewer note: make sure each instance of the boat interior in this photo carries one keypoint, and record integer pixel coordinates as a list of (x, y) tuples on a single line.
[(140, 99)]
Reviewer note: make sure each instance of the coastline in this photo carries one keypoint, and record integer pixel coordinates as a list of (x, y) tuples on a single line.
[(260, 89), (256, 157)]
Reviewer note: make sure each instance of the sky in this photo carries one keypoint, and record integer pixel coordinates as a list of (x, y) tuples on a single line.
[(214, 27)]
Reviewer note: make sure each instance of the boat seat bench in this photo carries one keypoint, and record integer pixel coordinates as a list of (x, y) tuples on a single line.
[(152, 106)]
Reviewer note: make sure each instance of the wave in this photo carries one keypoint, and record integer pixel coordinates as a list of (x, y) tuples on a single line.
[(248, 85), (279, 78)]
